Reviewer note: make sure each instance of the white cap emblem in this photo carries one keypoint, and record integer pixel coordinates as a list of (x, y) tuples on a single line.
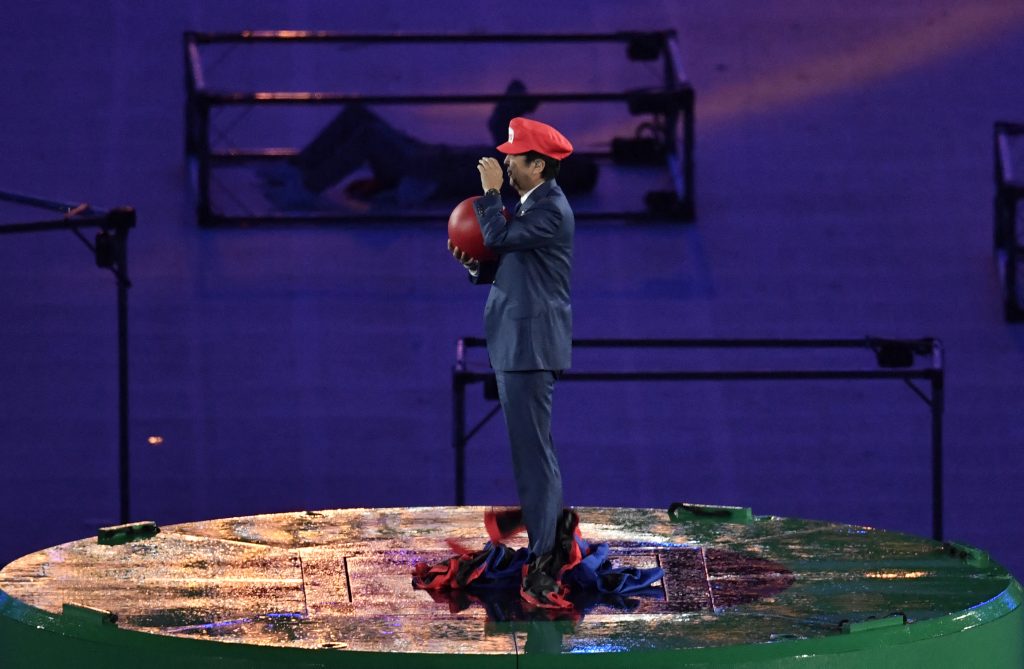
[(511, 135)]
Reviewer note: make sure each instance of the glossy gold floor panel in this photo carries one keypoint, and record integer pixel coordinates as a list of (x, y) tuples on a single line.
[(341, 581)]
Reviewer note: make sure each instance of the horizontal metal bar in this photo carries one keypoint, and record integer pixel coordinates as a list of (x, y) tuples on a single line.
[(228, 156), (863, 342), (231, 156), (742, 375), (775, 375), (399, 37), (320, 218), (75, 216), (305, 97), (40, 203), (1009, 127), (62, 224), (87, 221)]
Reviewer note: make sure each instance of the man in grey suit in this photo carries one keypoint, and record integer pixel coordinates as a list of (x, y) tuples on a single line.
[(528, 321)]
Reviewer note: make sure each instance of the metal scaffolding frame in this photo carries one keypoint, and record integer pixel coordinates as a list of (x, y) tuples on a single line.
[(673, 100)]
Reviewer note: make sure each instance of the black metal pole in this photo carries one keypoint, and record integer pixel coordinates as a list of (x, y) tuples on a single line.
[(110, 251), (459, 436), (123, 219), (1013, 307), (938, 406), (689, 141), (122, 366), (122, 382)]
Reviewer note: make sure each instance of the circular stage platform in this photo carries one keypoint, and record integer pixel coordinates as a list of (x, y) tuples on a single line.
[(333, 589)]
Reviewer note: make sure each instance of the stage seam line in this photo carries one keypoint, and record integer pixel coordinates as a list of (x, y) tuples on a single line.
[(707, 578), (302, 573), (664, 587), (348, 583)]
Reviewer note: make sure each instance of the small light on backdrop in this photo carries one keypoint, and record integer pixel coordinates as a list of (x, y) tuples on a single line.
[(155, 440)]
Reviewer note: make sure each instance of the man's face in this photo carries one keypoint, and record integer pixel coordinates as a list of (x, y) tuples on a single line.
[(523, 175)]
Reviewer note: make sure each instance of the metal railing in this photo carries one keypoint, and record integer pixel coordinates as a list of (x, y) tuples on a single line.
[(908, 360)]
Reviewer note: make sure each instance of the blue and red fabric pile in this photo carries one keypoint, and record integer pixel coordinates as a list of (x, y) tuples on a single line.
[(580, 569)]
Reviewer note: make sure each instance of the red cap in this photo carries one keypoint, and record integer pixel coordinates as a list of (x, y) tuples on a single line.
[(527, 135)]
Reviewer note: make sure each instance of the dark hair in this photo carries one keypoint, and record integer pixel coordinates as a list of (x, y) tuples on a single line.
[(550, 164)]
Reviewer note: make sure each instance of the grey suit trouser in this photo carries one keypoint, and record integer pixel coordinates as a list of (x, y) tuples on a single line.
[(526, 402)]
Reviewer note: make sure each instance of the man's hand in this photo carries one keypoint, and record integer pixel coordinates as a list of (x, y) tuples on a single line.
[(469, 263), (491, 174)]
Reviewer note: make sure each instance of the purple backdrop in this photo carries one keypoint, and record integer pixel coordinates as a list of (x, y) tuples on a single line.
[(844, 184)]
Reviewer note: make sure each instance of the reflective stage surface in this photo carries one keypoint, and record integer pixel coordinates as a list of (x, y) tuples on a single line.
[(337, 585)]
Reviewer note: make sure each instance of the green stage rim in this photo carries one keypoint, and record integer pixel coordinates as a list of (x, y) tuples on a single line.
[(333, 589)]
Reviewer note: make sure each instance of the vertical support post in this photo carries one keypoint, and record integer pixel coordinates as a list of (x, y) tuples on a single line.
[(938, 407), (675, 80), (672, 109), (122, 356), (459, 435), (1013, 302), (689, 140), (1006, 244), (998, 236), (190, 98), (123, 219)]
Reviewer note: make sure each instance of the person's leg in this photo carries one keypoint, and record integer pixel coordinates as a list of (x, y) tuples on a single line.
[(355, 136), (526, 402), (347, 123)]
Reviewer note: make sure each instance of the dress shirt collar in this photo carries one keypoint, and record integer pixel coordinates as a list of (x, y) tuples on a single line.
[(522, 200)]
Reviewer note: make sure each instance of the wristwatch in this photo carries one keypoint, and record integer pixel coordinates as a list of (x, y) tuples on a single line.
[(493, 191)]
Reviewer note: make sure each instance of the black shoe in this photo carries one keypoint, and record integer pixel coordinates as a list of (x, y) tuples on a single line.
[(566, 552), (540, 588), (508, 108)]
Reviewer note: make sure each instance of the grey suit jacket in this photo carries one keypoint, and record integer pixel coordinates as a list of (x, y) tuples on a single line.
[(528, 317)]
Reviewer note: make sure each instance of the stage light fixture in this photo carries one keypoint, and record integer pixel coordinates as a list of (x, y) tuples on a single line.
[(645, 47), (106, 249), (893, 354), (638, 151)]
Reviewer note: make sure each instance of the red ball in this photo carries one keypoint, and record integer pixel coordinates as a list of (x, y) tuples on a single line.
[(464, 231)]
